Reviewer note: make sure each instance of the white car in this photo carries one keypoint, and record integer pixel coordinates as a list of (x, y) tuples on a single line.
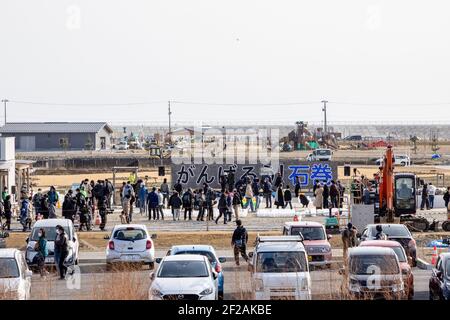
[(320, 155), (130, 243), (184, 277), (49, 226), (15, 277), (280, 269), (399, 160), (123, 145)]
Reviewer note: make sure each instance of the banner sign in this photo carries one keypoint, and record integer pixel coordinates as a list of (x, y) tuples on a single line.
[(195, 175)]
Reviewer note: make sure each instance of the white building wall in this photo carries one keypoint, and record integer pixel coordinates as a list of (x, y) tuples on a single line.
[(8, 159)]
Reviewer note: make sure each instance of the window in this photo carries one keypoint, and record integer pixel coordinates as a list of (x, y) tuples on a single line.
[(281, 262), (369, 264), (183, 269), (206, 254), (309, 233), (50, 233), (9, 268), (130, 234)]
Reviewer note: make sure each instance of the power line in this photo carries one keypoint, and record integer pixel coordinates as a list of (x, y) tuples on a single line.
[(87, 104), (391, 104)]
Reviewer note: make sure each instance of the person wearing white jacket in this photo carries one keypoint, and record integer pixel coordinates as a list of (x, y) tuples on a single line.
[(431, 194)]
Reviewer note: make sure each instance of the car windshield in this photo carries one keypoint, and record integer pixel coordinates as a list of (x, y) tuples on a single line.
[(373, 264), (400, 253), (129, 234), (183, 269), (393, 231), (50, 233), (404, 188), (309, 233), (8, 268), (281, 262), (323, 152), (209, 255)]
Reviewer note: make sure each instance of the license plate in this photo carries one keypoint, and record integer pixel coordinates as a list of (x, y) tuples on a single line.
[(130, 257), (49, 260)]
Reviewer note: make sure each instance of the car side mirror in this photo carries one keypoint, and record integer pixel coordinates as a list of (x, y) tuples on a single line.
[(215, 275), (74, 239), (158, 260), (152, 276), (359, 235), (250, 255), (410, 261), (222, 260), (154, 236)]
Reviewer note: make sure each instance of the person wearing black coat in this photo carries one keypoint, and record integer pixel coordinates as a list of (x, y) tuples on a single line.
[(175, 204), (223, 207), (447, 197), (61, 251), (239, 242), (280, 197), (334, 195), (326, 195), (287, 198), (298, 187), (69, 206)]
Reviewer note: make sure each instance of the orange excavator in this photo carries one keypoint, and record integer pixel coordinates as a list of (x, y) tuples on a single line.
[(398, 196)]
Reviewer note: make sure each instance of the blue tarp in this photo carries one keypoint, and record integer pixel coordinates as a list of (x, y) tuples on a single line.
[(437, 244)]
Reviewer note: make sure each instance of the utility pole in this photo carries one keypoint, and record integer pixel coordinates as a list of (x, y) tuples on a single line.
[(324, 109), (5, 101), (170, 123)]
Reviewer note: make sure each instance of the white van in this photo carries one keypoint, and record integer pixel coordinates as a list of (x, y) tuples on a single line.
[(280, 270), (320, 155)]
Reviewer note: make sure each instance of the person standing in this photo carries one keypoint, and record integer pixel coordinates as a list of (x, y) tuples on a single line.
[(222, 208), (61, 251), (68, 207), (298, 187), (5, 193), (37, 198), (8, 212), (175, 204), (280, 197), (201, 205), (153, 202), (249, 196), (109, 192), (447, 197), (237, 203), (160, 203), (210, 196), (53, 199), (431, 194), (165, 191), (188, 201), (256, 192), (25, 214), (143, 199), (349, 239), (318, 202), (425, 200), (267, 190), (239, 242), (326, 195), (42, 252), (287, 197), (334, 195)]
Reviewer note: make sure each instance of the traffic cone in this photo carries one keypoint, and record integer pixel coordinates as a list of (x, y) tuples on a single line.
[(434, 256), (97, 220)]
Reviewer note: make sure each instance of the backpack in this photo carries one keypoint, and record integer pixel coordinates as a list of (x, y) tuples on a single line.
[(186, 199)]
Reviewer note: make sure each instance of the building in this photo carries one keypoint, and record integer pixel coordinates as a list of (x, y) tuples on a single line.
[(57, 136), (7, 164)]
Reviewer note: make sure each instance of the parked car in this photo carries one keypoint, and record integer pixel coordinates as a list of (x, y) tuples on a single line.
[(395, 232), (320, 155), (130, 243), (405, 263), (210, 253), (353, 138), (49, 226), (399, 160), (279, 269), (15, 277), (373, 273), (316, 241), (122, 145), (184, 277), (440, 279)]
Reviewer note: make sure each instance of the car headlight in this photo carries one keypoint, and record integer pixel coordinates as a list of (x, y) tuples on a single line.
[(326, 249), (156, 292), (259, 285), (207, 292)]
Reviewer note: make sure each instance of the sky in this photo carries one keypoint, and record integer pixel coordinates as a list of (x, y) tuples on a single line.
[(90, 60)]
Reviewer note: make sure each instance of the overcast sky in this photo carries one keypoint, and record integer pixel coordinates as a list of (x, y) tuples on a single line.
[(234, 51)]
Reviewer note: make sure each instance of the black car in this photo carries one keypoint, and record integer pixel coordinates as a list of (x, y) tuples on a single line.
[(440, 279)]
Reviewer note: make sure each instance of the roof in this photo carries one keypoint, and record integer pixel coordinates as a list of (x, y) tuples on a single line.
[(183, 257), (280, 247), (126, 226), (55, 127), (8, 253), (52, 223), (380, 243), (303, 224), (370, 251), (196, 247)]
